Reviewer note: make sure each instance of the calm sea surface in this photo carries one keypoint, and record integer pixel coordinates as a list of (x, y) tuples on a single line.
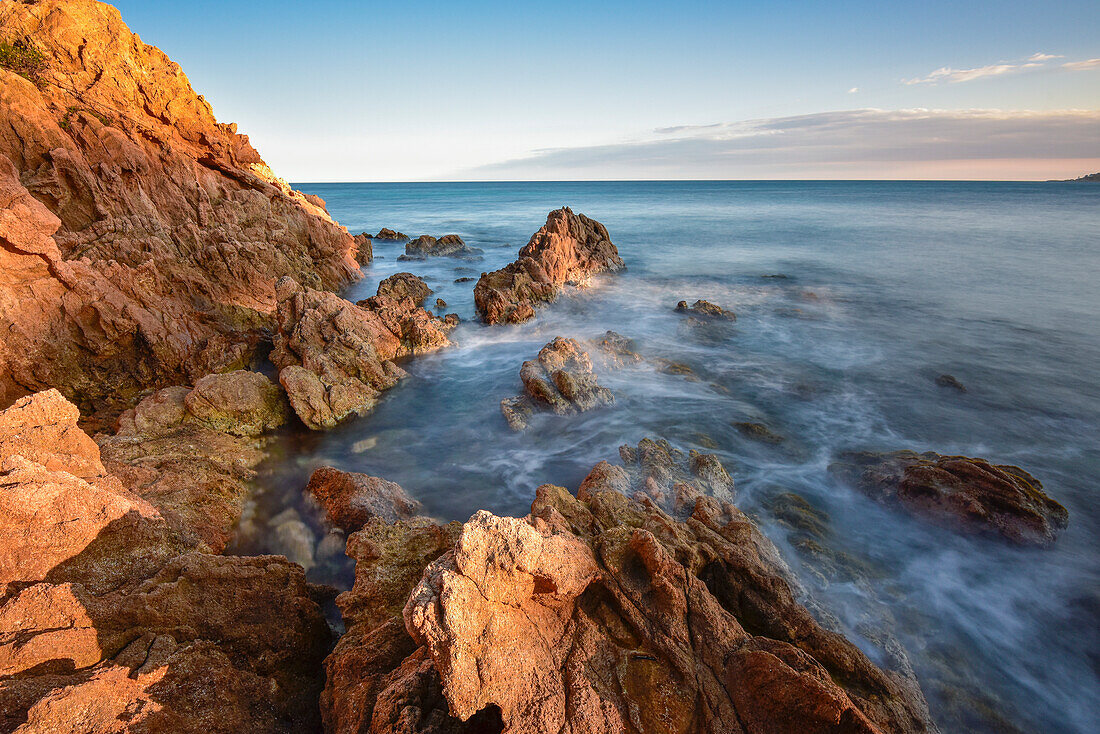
[(885, 287)]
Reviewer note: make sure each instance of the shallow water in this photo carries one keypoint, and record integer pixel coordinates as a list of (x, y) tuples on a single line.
[(887, 286)]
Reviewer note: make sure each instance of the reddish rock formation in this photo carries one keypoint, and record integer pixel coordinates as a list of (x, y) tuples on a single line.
[(241, 403), (364, 255), (569, 248), (600, 613), (140, 240), (389, 234), (108, 621), (560, 379), (350, 499), (967, 494), (335, 357), (400, 286), (449, 245)]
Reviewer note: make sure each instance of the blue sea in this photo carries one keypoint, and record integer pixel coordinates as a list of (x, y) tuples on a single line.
[(851, 298)]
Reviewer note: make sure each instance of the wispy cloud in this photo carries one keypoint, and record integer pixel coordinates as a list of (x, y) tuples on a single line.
[(950, 75), (853, 90), (853, 143)]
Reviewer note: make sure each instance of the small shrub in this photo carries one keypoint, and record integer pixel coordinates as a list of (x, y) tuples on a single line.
[(22, 57)]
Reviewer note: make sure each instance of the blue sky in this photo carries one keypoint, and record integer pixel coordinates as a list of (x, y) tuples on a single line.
[(427, 90)]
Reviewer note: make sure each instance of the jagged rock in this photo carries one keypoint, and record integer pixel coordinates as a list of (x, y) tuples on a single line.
[(959, 492), (465, 279), (335, 357), (449, 245), (141, 239), (389, 234), (706, 310), (569, 248), (364, 255), (758, 432), (619, 348), (110, 622), (400, 286), (241, 403), (440, 303), (560, 379), (351, 499)]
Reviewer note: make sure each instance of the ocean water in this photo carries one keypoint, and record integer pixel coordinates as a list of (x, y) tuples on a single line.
[(885, 285)]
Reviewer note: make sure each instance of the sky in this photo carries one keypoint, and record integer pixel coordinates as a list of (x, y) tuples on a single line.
[(332, 90)]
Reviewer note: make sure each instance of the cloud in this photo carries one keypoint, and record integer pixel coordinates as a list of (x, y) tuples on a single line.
[(867, 143), (1035, 61), (1082, 65), (853, 90)]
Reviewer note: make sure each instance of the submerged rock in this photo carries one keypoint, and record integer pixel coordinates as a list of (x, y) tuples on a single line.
[(141, 239), (569, 248), (350, 499), (706, 310), (758, 432), (109, 621), (959, 492), (560, 380), (950, 381), (449, 245)]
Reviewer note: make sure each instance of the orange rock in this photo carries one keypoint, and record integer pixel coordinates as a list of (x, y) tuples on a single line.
[(350, 499), (569, 248)]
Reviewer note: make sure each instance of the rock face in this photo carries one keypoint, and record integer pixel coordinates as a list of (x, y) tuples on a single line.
[(706, 310), (350, 499), (109, 621), (241, 403), (570, 248), (141, 239), (560, 379), (968, 494), (400, 286), (335, 357), (599, 613), (449, 245), (364, 255)]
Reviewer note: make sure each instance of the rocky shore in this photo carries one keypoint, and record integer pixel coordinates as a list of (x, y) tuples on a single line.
[(167, 303)]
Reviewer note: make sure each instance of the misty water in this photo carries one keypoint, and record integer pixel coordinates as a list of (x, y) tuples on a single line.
[(884, 287)]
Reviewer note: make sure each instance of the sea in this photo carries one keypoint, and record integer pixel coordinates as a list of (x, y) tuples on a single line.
[(851, 298)]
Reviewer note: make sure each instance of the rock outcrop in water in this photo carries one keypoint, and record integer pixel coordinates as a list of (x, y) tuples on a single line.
[(400, 286), (350, 499), (141, 239), (967, 494), (560, 380), (614, 610), (706, 310), (569, 248), (110, 621), (449, 245), (335, 357), (364, 255)]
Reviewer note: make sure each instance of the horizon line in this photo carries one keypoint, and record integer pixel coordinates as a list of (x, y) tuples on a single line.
[(696, 180)]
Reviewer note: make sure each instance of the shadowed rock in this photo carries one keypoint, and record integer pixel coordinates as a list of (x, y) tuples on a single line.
[(449, 245), (706, 310), (569, 249), (560, 380), (364, 255), (967, 494), (950, 381)]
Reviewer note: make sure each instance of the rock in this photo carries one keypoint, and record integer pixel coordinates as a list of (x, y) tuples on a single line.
[(110, 622), (291, 537), (464, 279), (561, 380), (389, 234), (949, 381), (335, 357), (967, 494), (619, 348), (140, 240), (400, 286), (364, 253), (241, 403), (758, 432), (449, 245), (350, 499), (706, 310), (570, 248), (663, 474), (440, 303)]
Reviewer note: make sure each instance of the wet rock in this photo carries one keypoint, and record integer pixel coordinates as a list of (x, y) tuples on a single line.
[(560, 380), (570, 248), (449, 245), (291, 537), (389, 234), (141, 239), (706, 310), (758, 432), (400, 286), (364, 244), (619, 348), (351, 499), (335, 357), (664, 474), (465, 279), (451, 320), (440, 303), (959, 492), (949, 381), (110, 622), (241, 403)]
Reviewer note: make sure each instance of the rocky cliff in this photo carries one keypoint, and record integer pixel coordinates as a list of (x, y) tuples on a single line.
[(140, 239)]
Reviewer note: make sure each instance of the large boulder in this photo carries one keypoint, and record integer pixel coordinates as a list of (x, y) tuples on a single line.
[(141, 239), (350, 499), (109, 619), (967, 494), (242, 403), (560, 380), (569, 249), (364, 253), (449, 245), (400, 286), (600, 612)]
